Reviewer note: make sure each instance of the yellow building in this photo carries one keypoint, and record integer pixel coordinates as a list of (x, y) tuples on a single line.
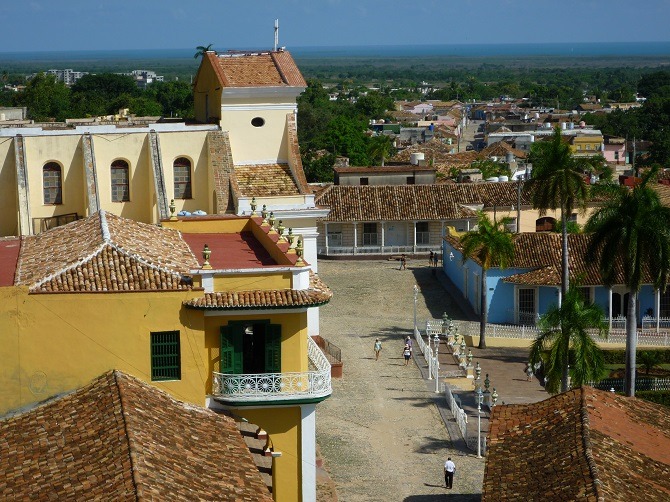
[(586, 145), (211, 309)]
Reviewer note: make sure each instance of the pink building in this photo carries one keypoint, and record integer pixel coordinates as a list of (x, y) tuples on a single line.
[(614, 149)]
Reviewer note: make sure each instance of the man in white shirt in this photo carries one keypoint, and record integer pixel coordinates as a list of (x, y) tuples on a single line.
[(449, 470)]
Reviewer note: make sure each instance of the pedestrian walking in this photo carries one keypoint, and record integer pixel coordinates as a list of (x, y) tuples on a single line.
[(407, 353), (408, 341), (431, 258), (378, 348), (403, 262), (529, 372), (449, 470)]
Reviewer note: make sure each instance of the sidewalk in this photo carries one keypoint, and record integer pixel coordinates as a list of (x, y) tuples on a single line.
[(505, 367)]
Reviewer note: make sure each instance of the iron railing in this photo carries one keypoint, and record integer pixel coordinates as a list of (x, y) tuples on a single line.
[(278, 386)]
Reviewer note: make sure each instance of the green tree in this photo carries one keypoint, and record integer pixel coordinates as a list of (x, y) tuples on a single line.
[(98, 94), (346, 136), (631, 239), (557, 182), (175, 98), (379, 147), (201, 49), (46, 98), (493, 246), (565, 331)]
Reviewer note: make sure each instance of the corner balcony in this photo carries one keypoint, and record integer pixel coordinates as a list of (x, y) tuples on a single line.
[(276, 388)]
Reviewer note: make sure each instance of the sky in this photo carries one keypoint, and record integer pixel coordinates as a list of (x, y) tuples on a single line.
[(65, 25)]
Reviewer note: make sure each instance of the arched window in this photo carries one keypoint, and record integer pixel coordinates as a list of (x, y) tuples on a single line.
[(52, 181), (120, 186), (182, 178)]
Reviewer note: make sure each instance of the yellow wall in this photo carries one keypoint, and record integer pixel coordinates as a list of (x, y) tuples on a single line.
[(283, 427), (134, 149), (256, 144), (530, 216), (223, 225), (51, 343), (9, 216), (66, 151), (193, 146), (260, 280), (206, 85)]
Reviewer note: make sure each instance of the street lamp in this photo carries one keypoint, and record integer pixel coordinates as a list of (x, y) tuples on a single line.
[(416, 297), (436, 366), (480, 398)]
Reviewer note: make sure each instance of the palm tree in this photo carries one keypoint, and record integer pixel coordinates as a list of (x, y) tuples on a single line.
[(557, 182), (493, 246), (631, 241), (563, 329), (201, 49)]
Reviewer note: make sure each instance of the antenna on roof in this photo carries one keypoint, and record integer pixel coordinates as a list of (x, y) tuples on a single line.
[(276, 34)]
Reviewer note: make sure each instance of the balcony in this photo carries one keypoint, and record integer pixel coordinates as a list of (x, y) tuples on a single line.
[(278, 388)]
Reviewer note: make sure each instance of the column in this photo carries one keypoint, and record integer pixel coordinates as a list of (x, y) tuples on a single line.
[(414, 242), (308, 440), (560, 296), (325, 231), (355, 236), (383, 243), (609, 305), (442, 223)]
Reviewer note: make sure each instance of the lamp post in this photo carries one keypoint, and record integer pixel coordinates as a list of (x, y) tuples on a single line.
[(436, 366), (416, 297), (480, 397)]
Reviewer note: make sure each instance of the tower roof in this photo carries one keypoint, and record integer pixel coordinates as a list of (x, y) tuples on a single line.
[(256, 69)]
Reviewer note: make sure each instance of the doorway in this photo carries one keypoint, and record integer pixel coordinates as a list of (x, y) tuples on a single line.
[(250, 347)]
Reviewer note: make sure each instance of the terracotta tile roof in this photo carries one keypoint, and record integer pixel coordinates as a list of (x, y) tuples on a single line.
[(104, 252), (582, 444), (317, 294), (121, 439), (540, 252), (437, 154), (413, 202), (265, 180), (257, 69), (500, 148)]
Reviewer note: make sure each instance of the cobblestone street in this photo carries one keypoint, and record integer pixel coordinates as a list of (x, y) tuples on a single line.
[(380, 433)]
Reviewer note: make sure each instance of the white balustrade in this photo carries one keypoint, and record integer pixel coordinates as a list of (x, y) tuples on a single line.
[(278, 386)]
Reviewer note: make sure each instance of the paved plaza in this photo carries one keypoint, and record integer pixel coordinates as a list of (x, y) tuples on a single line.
[(384, 434)]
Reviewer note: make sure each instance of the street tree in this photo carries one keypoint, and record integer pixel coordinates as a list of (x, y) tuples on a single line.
[(631, 242), (493, 246), (566, 330)]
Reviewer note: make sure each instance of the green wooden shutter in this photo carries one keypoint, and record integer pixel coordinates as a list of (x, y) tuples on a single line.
[(273, 348), (231, 350)]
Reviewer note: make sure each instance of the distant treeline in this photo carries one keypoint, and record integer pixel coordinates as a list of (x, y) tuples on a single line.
[(102, 94)]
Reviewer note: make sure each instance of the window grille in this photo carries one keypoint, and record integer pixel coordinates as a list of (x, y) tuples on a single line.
[(120, 185), (165, 356), (52, 183), (182, 178)]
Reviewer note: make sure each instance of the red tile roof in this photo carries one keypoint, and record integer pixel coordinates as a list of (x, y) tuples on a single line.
[(582, 444), (256, 69), (121, 439), (9, 255), (317, 294), (230, 250), (414, 202), (104, 252)]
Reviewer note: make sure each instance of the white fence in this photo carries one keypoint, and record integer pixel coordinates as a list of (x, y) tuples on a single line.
[(641, 383), (645, 336), (458, 413)]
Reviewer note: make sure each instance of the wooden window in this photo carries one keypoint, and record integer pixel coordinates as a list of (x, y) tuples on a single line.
[(411, 180), (120, 182), (422, 233), (182, 178), (369, 234), (250, 348), (52, 182), (365, 181), (165, 356)]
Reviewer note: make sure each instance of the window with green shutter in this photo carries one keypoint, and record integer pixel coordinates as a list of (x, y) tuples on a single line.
[(165, 356)]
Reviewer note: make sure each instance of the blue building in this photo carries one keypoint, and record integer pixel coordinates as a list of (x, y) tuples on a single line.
[(524, 291)]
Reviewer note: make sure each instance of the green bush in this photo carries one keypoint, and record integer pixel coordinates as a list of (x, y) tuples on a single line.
[(619, 356), (655, 396)]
